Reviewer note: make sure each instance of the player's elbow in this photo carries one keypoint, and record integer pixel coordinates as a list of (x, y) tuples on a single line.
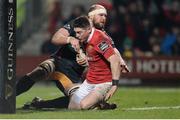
[(114, 59), (60, 37)]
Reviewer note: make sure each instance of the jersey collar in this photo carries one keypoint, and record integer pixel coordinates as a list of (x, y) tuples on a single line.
[(91, 34)]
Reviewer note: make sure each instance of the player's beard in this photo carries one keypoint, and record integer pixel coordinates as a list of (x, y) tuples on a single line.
[(99, 26)]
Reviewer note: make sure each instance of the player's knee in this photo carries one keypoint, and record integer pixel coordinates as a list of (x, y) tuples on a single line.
[(48, 65), (73, 105), (70, 106), (73, 89), (43, 70), (84, 106)]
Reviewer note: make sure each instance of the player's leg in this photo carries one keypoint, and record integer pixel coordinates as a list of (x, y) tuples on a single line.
[(73, 105), (65, 85), (67, 78), (60, 102), (67, 73), (39, 73), (81, 93), (95, 96)]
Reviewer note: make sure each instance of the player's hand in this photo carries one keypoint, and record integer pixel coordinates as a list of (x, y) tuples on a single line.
[(75, 43), (81, 58), (111, 92), (123, 65), (124, 69)]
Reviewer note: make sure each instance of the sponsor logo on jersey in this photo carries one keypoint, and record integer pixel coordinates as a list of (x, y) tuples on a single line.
[(103, 46)]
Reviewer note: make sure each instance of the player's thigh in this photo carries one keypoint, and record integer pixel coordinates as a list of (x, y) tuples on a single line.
[(90, 100), (82, 92), (70, 69), (96, 95), (103, 88), (64, 83)]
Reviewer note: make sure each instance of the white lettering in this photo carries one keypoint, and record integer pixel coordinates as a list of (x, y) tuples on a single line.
[(145, 67), (10, 74), (153, 66), (139, 66), (156, 66), (163, 64), (10, 69), (178, 66), (10, 1), (171, 66)]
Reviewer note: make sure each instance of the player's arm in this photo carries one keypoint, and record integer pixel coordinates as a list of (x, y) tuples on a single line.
[(107, 50), (62, 37), (124, 67), (114, 64), (115, 69)]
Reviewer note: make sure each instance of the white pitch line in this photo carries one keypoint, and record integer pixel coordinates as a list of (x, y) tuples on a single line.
[(152, 108)]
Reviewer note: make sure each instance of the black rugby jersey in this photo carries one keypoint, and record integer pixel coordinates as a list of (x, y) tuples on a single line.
[(67, 51)]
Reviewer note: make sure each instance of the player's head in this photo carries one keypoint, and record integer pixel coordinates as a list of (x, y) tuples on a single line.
[(97, 14), (82, 27)]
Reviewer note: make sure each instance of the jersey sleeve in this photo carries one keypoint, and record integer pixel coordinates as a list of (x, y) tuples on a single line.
[(110, 39), (105, 48), (111, 42)]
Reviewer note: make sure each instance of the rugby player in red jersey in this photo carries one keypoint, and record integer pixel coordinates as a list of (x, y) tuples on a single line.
[(104, 66)]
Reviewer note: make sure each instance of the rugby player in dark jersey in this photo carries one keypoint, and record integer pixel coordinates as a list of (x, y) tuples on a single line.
[(62, 67)]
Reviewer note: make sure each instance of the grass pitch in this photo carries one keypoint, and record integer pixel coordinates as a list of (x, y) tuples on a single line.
[(136, 103)]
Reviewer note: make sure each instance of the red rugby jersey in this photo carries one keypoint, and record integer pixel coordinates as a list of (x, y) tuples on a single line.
[(98, 50)]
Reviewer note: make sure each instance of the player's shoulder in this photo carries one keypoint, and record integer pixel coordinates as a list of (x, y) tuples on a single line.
[(99, 33), (99, 36)]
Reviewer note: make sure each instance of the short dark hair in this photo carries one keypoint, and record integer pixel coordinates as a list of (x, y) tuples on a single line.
[(81, 22)]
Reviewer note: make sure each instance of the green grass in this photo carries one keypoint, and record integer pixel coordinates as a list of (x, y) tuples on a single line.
[(125, 98)]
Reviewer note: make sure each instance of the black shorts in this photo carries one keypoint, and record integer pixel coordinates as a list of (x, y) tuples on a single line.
[(70, 68)]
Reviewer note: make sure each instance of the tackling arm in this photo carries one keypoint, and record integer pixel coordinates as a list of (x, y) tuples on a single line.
[(62, 37)]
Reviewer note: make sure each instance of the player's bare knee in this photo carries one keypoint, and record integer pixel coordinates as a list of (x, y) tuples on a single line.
[(70, 106), (84, 105), (73, 106)]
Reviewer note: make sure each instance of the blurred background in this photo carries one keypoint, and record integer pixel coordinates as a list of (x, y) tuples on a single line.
[(146, 32)]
